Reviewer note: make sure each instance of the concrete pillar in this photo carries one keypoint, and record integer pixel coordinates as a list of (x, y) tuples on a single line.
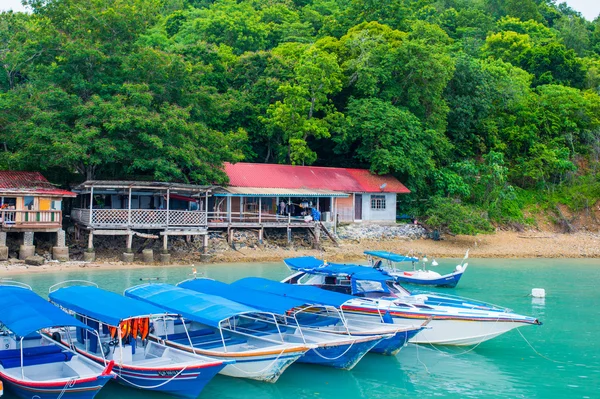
[(129, 242), (3, 247), (165, 243), (260, 235), (165, 258), (317, 231), (60, 252), (89, 256), (27, 249), (148, 256), (127, 257), (205, 243)]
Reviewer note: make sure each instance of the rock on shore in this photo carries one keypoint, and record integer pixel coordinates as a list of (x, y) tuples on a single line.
[(374, 231)]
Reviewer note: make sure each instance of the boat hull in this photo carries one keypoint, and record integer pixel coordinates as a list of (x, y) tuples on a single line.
[(448, 331), (184, 382), (391, 346), (463, 333), (447, 280), (341, 356), (266, 366), (85, 388)]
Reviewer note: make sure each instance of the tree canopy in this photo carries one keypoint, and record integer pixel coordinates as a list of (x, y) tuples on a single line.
[(468, 102)]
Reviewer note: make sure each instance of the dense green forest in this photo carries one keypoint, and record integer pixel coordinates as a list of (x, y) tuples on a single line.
[(487, 110)]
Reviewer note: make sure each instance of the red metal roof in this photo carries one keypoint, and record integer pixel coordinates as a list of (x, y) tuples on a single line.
[(346, 180), (16, 182)]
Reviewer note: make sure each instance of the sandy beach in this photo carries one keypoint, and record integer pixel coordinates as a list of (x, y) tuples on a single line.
[(502, 244)]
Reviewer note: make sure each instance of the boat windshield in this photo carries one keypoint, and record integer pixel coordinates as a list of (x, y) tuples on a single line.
[(396, 289)]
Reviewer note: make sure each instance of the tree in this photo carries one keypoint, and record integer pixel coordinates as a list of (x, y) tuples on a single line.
[(305, 110)]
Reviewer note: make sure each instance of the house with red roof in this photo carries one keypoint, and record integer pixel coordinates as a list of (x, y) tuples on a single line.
[(277, 191), (28, 204)]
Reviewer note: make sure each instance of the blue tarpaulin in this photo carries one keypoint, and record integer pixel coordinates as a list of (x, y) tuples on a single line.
[(313, 265), (104, 306), (307, 294), (391, 256), (23, 312), (202, 308), (257, 299)]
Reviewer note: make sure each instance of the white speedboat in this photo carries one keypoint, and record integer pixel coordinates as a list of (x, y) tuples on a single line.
[(453, 320)]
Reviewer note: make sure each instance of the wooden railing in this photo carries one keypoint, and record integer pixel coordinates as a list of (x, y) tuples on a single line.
[(140, 218), (218, 218), (24, 218)]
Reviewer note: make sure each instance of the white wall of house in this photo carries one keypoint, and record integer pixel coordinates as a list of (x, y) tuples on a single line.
[(378, 211)]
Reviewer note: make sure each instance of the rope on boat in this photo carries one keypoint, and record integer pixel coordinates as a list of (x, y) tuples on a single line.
[(260, 371), (337, 357), (155, 386), (68, 385)]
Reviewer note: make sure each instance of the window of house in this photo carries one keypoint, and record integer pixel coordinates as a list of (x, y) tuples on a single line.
[(28, 202), (378, 202)]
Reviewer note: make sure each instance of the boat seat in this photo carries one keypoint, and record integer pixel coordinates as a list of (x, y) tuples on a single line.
[(218, 343), (196, 333), (31, 356)]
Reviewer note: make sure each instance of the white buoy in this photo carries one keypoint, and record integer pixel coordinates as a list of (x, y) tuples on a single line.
[(538, 293)]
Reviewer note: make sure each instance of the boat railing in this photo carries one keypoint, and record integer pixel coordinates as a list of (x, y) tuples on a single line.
[(68, 283), (12, 283), (465, 302)]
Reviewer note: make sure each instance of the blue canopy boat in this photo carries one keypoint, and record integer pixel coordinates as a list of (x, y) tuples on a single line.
[(338, 344), (216, 327), (31, 363), (121, 327), (389, 262)]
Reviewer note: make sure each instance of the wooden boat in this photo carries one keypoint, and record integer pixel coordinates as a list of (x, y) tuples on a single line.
[(452, 320), (419, 274), (211, 326), (339, 348), (32, 365), (121, 328)]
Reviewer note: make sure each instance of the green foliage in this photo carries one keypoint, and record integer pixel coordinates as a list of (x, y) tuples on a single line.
[(485, 106), (447, 214)]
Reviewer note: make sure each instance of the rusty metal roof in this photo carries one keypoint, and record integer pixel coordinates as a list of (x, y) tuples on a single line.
[(348, 180), (22, 183)]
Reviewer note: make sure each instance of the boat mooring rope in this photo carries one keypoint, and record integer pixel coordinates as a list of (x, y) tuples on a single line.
[(68, 385), (535, 350), (337, 357), (155, 386), (260, 371)]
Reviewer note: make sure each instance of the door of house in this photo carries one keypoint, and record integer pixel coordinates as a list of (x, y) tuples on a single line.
[(357, 206)]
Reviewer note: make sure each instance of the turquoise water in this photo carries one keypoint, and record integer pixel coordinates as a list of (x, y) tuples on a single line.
[(563, 363)]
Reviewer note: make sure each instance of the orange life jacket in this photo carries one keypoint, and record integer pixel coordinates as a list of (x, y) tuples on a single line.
[(144, 327)]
